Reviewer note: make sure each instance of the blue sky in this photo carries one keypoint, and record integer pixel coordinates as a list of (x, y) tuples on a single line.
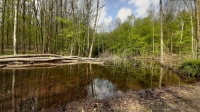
[(123, 8)]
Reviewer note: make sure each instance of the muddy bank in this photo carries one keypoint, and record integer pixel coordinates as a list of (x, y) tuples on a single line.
[(172, 99)]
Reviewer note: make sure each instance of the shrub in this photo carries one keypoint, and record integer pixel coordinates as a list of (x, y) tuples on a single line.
[(191, 68)]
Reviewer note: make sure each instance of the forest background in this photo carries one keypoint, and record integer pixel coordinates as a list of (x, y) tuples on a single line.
[(69, 28)]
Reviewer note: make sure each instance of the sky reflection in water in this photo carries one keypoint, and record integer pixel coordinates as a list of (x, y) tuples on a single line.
[(41, 89)]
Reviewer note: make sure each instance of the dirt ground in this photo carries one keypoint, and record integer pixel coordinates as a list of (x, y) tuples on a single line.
[(172, 99)]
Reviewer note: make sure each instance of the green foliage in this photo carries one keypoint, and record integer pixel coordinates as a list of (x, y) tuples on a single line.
[(191, 68), (49, 29), (135, 38), (132, 39)]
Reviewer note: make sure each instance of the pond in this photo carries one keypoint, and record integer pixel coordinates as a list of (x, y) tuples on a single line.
[(40, 89)]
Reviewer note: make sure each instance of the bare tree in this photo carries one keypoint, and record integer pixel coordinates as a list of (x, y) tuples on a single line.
[(88, 18), (94, 29)]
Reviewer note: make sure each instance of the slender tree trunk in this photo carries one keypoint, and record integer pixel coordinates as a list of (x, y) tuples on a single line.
[(197, 26), (24, 27), (161, 35), (181, 38), (36, 22), (73, 44), (153, 39), (192, 36), (8, 29), (93, 35), (88, 10), (172, 43), (3, 27), (88, 39), (42, 31), (18, 29), (15, 26)]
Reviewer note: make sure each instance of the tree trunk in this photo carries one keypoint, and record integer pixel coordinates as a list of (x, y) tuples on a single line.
[(153, 38), (93, 35), (24, 27), (15, 26), (192, 36), (88, 10), (197, 26), (3, 26), (161, 34), (181, 38)]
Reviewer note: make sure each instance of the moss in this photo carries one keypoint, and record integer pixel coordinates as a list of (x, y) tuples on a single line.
[(191, 68)]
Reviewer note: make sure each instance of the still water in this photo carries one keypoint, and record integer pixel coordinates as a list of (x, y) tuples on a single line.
[(40, 89)]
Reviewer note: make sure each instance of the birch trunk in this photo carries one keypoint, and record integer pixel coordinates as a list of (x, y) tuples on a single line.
[(14, 31)]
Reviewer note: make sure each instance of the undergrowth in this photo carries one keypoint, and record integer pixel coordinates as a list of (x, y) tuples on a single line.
[(191, 68)]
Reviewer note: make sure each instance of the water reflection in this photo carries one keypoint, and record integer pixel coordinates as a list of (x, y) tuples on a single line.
[(43, 89), (161, 76), (101, 89), (13, 91)]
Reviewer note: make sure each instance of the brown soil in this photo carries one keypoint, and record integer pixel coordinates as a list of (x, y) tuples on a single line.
[(172, 99)]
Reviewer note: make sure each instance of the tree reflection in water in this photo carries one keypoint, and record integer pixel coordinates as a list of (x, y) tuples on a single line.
[(43, 89), (13, 91)]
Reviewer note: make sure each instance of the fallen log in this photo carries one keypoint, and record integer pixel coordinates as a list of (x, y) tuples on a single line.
[(2, 66), (30, 60), (70, 57), (44, 60), (29, 56), (69, 61)]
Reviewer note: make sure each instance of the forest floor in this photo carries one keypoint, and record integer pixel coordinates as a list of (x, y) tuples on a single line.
[(171, 99)]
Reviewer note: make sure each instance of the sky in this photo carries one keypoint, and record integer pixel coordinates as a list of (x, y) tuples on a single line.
[(123, 8)]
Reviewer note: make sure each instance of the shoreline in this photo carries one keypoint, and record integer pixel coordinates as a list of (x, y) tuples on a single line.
[(176, 99)]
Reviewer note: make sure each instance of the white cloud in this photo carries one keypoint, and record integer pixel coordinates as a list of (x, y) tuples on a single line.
[(142, 6), (108, 20), (123, 13), (102, 15)]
